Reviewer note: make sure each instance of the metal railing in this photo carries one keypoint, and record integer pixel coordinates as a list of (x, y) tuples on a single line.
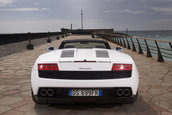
[(162, 50)]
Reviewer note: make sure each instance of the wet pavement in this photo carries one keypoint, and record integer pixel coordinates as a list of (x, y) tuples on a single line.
[(155, 88)]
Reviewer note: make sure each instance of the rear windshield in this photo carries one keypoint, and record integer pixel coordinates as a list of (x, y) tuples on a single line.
[(84, 44)]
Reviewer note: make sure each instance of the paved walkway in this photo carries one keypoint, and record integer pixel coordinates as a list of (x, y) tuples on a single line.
[(155, 90)]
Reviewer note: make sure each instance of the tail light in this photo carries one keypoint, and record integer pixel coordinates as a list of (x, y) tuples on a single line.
[(122, 67), (49, 67)]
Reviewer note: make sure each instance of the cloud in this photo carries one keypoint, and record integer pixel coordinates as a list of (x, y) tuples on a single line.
[(116, 0), (6, 2), (156, 0), (18, 26), (25, 9), (37, 3), (124, 11), (76, 4), (164, 10)]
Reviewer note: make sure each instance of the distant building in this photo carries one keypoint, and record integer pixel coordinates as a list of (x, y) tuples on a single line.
[(86, 31)]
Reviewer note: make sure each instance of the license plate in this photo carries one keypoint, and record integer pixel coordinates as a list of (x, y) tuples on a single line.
[(85, 92)]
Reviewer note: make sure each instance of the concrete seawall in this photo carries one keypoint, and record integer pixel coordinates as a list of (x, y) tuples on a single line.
[(155, 89), (18, 37), (11, 48)]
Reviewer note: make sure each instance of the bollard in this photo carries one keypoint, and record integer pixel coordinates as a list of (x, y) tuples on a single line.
[(66, 34), (29, 46), (48, 40), (134, 48), (57, 38), (148, 50), (160, 58), (92, 35), (140, 48), (128, 44), (62, 35), (103, 36)]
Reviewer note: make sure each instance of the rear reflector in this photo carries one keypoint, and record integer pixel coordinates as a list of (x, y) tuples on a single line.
[(50, 67), (122, 67)]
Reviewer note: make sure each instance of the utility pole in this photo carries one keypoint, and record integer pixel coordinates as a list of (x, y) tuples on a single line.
[(81, 19)]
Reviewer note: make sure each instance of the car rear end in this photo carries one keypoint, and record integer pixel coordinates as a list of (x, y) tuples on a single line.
[(82, 75)]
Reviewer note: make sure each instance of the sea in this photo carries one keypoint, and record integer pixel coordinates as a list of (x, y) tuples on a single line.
[(164, 35)]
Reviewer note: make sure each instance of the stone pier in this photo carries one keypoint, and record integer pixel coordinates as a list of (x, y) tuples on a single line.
[(155, 88)]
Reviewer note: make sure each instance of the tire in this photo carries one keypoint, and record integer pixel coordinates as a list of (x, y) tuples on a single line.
[(36, 101), (134, 99)]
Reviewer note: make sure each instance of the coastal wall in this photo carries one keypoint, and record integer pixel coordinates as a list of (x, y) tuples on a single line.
[(18, 37), (7, 49)]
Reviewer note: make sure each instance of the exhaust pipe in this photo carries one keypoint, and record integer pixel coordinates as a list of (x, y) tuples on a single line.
[(50, 92), (43, 92), (126, 92), (120, 92)]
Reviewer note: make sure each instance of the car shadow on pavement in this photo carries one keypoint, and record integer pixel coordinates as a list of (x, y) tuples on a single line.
[(140, 107)]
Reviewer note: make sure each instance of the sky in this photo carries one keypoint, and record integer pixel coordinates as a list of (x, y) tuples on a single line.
[(19, 16)]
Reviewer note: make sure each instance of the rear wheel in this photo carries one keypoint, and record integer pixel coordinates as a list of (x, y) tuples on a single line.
[(36, 101), (134, 99)]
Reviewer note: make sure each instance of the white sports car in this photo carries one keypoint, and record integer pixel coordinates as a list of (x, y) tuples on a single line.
[(84, 71)]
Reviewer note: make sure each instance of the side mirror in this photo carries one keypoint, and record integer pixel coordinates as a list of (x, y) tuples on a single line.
[(118, 48), (50, 48)]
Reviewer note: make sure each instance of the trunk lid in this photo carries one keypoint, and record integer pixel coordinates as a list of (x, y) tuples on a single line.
[(85, 60)]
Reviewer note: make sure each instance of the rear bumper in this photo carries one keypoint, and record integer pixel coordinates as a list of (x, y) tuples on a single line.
[(109, 95), (49, 83), (96, 100)]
